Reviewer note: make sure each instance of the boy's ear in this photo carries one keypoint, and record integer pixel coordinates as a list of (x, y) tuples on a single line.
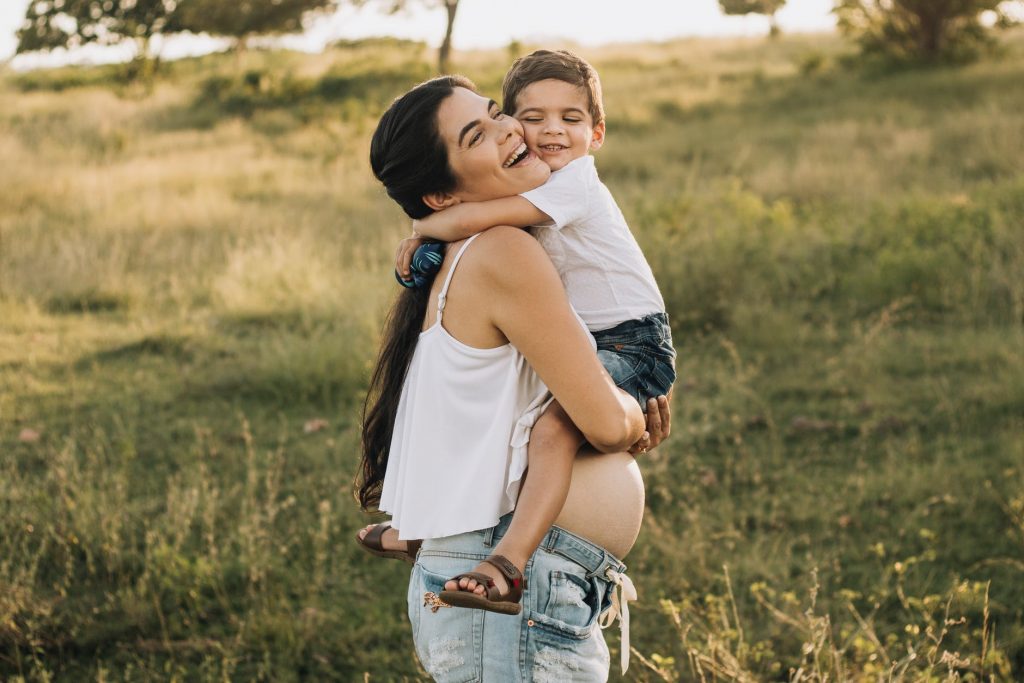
[(440, 200), (597, 137)]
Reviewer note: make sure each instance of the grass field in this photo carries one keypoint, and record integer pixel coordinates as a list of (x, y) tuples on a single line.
[(192, 278)]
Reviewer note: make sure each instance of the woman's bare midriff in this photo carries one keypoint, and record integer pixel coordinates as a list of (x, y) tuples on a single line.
[(605, 504), (606, 501)]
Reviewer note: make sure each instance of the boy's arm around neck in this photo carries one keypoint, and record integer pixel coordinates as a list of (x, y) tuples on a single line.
[(468, 218)]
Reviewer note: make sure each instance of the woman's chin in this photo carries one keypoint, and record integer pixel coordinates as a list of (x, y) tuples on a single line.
[(531, 170)]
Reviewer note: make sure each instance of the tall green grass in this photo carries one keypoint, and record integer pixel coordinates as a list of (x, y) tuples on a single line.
[(193, 274)]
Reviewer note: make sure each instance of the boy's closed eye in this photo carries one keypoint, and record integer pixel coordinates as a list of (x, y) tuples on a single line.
[(537, 119)]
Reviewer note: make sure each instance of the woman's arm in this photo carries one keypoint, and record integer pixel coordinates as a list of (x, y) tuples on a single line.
[(527, 302)]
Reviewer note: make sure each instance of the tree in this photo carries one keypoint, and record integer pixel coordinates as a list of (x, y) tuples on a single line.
[(51, 24), (444, 53), (921, 30), (245, 18), (765, 7)]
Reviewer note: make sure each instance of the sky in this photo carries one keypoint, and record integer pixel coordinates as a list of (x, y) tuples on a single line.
[(478, 24)]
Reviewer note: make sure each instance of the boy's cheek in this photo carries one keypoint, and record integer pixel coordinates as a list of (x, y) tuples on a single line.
[(531, 144), (530, 131)]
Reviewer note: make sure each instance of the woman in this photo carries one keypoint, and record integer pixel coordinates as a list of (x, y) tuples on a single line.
[(455, 380)]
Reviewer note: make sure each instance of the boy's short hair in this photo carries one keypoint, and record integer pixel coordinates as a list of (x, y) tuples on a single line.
[(561, 65)]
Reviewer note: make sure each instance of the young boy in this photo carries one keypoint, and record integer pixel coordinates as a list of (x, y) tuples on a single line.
[(557, 98)]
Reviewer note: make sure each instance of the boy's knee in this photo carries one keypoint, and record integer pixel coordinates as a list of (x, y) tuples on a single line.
[(554, 425)]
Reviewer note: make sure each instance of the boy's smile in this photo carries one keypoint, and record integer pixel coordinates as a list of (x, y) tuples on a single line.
[(557, 122)]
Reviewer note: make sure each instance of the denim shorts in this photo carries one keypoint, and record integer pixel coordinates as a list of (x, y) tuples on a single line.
[(639, 356), (555, 638)]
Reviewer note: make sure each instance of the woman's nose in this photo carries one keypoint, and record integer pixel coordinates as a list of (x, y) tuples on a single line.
[(509, 126)]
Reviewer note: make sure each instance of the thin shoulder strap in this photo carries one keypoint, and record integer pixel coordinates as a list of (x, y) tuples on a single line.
[(443, 296)]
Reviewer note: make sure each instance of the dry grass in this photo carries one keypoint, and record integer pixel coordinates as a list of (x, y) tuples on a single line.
[(192, 277)]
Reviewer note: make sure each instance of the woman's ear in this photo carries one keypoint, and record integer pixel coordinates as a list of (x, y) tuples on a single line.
[(440, 200), (597, 137)]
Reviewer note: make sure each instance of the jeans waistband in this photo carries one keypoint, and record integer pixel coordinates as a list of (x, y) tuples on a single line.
[(595, 559), (652, 321)]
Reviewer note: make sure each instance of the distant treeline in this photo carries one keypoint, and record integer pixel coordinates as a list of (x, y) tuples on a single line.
[(51, 24)]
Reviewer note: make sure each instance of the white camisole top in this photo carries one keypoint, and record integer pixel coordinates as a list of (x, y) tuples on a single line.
[(458, 451)]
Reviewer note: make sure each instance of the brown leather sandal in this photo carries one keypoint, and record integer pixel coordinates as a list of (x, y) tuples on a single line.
[(372, 543), (493, 601)]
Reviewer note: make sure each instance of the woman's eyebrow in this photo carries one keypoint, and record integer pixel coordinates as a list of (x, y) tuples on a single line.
[(491, 104)]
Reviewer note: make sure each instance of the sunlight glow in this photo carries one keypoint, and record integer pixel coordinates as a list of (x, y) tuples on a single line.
[(479, 24)]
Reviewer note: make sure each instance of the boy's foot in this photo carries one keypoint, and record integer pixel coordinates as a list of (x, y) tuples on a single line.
[(496, 585), (470, 585), (382, 540)]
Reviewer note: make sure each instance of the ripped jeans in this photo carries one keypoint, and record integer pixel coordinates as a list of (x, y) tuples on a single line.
[(555, 638)]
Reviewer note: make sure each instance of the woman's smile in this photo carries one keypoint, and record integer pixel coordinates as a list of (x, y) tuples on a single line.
[(487, 150), (518, 155)]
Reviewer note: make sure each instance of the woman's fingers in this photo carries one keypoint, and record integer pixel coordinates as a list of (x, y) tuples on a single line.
[(665, 410), (659, 425), (641, 446), (654, 421)]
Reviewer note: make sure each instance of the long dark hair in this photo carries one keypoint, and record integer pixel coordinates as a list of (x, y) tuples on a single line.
[(408, 155)]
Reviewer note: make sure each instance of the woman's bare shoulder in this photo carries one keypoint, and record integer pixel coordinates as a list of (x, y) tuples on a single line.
[(507, 255)]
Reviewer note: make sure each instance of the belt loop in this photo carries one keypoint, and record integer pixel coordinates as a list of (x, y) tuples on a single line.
[(552, 539), (596, 571), (489, 536)]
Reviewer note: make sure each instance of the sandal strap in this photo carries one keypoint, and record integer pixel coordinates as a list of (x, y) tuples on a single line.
[(514, 577), (375, 536)]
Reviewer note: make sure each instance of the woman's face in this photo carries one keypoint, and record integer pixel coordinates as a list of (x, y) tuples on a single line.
[(486, 149)]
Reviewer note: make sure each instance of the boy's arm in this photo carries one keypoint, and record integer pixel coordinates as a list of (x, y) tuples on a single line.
[(468, 218)]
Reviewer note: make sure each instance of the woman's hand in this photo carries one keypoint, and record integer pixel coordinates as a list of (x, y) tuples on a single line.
[(659, 425), (404, 254)]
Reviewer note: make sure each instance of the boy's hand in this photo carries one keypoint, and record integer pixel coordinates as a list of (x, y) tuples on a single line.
[(404, 254), (659, 424)]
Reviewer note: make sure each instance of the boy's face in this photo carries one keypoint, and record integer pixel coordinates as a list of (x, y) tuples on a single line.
[(557, 123)]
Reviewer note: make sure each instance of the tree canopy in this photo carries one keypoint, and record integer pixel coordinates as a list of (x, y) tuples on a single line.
[(245, 18), (765, 7), (51, 24), (921, 30)]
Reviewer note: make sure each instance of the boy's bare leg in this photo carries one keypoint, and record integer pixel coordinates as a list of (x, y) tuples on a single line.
[(554, 442)]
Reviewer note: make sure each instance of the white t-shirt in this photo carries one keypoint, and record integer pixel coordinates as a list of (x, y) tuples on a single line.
[(605, 274)]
